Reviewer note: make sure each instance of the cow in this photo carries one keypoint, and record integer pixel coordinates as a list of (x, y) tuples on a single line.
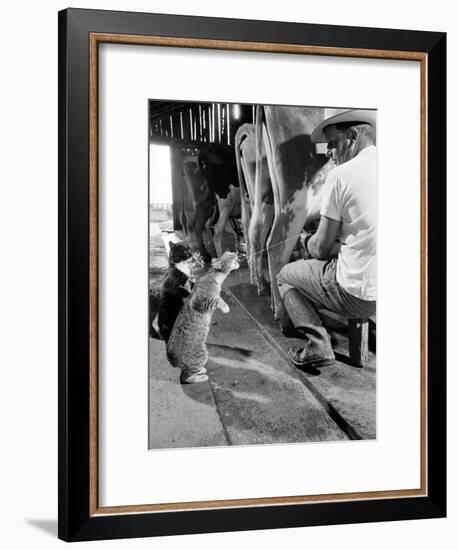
[(296, 175), (212, 183)]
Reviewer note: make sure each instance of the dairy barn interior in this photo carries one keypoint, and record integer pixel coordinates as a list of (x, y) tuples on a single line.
[(184, 128), (254, 395)]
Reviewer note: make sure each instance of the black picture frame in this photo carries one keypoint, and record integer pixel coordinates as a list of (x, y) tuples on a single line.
[(77, 520)]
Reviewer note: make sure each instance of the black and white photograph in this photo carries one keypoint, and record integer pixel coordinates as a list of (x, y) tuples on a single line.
[(262, 274), (229, 262)]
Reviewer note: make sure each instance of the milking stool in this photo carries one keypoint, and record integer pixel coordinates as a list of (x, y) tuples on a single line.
[(358, 341)]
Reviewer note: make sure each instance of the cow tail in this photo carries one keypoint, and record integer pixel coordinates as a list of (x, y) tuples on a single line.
[(240, 136)]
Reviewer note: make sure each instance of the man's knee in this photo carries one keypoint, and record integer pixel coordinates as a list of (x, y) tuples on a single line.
[(283, 280), (295, 275), (282, 276), (294, 272), (283, 288)]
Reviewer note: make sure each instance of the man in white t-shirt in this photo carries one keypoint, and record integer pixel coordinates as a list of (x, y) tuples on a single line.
[(340, 272)]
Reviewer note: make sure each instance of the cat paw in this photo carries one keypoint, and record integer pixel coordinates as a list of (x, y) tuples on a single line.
[(193, 378), (225, 308)]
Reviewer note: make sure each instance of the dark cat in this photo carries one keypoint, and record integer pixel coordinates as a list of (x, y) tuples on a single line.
[(167, 298), (186, 347)]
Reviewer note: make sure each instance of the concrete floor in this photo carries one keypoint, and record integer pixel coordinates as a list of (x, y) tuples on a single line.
[(254, 394)]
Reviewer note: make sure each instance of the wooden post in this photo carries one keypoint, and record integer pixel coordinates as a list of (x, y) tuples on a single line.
[(176, 161), (358, 341)]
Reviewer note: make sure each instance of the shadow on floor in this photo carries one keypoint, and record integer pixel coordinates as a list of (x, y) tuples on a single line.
[(48, 526)]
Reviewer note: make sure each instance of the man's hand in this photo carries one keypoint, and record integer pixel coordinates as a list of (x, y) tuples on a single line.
[(304, 238), (322, 245)]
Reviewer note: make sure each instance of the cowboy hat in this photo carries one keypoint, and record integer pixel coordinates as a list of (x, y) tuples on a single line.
[(357, 116)]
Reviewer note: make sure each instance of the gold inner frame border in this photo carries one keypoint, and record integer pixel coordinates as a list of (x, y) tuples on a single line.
[(94, 40)]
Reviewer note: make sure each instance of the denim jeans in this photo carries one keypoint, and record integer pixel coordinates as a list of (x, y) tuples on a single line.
[(317, 283)]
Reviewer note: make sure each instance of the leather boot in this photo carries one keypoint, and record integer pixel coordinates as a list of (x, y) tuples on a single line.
[(310, 355), (317, 348), (286, 326)]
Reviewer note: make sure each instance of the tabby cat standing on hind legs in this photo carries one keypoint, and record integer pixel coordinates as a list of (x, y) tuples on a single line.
[(166, 299), (186, 347)]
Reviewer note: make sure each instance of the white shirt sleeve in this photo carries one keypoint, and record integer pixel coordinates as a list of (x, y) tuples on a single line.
[(331, 205)]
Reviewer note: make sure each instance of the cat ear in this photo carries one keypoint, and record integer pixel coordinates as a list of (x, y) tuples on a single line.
[(172, 246)]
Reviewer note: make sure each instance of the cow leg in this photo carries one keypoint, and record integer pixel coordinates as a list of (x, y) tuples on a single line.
[(198, 190), (289, 219), (246, 216), (247, 182), (229, 205), (262, 213), (259, 229), (218, 229), (278, 254), (292, 212), (246, 191), (210, 237), (282, 240), (199, 226), (275, 256)]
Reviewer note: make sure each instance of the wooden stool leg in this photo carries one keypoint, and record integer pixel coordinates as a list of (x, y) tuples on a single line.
[(358, 341)]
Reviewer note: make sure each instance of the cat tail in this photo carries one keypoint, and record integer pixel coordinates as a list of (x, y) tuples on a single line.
[(154, 299), (172, 357)]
